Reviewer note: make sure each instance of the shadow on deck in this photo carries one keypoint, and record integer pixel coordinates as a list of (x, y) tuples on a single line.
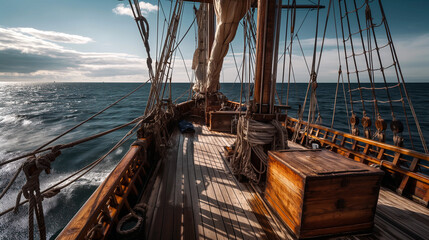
[(193, 195)]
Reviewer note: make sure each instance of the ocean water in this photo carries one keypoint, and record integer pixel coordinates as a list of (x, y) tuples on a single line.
[(32, 114)]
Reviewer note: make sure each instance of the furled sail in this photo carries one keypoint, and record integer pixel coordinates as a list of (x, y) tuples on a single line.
[(228, 16), (199, 62)]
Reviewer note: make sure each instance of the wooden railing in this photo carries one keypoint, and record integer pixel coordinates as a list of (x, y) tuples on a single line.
[(121, 188), (408, 169), (100, 212)]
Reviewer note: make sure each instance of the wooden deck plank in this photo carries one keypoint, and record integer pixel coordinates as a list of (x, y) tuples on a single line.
[(241, 193), (164, 210), (194, 186), (202, 160), (206, 215), (178, 191), (154, 215), (223, 180), (191, 221), (231, 186), (278, 229), (217, 197), (213, 150), (204, 190), (403, 214)]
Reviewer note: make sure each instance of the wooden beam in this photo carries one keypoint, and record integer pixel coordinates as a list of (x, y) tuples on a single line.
[(405, 179), (211, 28), (265, 41)]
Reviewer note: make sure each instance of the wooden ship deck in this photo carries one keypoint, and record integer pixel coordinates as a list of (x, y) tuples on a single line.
[(193, 195), (185, 188)]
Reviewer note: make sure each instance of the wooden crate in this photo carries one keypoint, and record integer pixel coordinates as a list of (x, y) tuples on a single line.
[(318, 192), (221, 121)]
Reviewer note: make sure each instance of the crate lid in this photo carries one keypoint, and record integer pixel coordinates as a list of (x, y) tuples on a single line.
[(308, 162)]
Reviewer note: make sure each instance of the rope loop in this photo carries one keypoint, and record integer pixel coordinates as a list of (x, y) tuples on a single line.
[(137, 216)]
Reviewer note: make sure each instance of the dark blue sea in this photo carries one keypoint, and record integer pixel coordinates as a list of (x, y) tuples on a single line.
[(32, 114)]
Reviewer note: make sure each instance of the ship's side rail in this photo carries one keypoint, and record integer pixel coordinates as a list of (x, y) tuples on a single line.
[(119, 191), (102, 209), (407, 168)]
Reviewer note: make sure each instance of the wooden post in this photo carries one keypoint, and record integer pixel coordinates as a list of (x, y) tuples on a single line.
[(265, 41), (211, 27)]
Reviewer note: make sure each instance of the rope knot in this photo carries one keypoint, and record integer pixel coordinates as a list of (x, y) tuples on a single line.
[(32, 173), (313, 76), (44, 162), (32, 168)]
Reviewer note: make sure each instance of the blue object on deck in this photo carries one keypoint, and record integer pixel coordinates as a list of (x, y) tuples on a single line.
[(186, 127)]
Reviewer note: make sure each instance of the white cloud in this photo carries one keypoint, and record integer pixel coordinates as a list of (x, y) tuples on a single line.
[(145, 7), (54, 36), (30, 54)]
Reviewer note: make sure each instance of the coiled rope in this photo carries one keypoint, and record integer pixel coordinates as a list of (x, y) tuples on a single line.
[(253, 136)]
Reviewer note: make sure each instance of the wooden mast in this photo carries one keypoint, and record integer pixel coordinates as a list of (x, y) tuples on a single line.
[(211, 28), (267, 22), (267, 37)]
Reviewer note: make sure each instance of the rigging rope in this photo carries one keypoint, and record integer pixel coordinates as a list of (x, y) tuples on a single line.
[(292, 29), (54, 189), (353, 53), (41, 148), (284, 56), (400, 79), (366, 121), (340, 74)]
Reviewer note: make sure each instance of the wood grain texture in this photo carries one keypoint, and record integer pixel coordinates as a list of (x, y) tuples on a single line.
[(320, 193), (86, 218), (197, 196)]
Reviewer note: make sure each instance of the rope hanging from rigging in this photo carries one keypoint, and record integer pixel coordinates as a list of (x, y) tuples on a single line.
[(31, 190)]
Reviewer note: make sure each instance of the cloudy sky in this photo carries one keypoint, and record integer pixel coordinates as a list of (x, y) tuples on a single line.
[(63, 40)]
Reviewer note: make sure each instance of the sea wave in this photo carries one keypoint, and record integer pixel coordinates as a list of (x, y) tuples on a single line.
[(17, 120), (51, 206)]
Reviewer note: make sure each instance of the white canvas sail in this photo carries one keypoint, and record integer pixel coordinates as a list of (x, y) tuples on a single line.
[(228, 16), (199, 62)]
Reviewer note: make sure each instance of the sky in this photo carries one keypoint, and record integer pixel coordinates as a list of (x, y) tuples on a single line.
[(98, 41)]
